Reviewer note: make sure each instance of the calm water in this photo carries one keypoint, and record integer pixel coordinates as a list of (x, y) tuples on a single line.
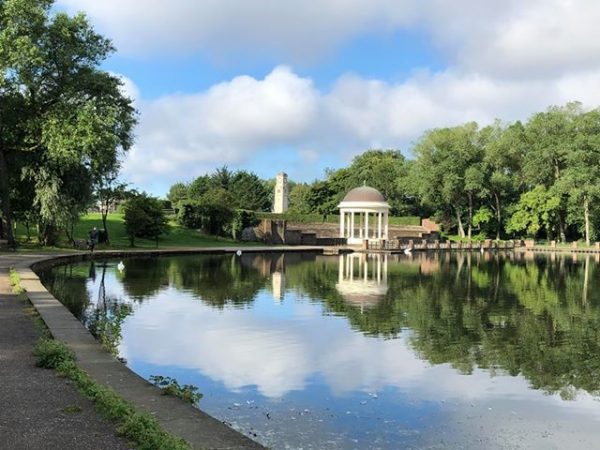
[(379, 352)]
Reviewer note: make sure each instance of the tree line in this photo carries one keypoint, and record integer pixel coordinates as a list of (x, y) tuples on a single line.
[(539, 178)]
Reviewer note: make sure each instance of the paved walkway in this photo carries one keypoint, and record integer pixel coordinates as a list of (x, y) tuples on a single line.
[(38, 410)]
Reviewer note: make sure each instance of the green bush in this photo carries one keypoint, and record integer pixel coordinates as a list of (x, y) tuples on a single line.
[(241, 219), (212, 212), (144, 218), (189, 214), (50, 354)]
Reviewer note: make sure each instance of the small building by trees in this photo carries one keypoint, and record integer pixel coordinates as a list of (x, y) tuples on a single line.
[(364, 215)]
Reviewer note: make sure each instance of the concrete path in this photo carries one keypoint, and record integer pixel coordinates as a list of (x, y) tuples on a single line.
[(17, 337), (38, 410)]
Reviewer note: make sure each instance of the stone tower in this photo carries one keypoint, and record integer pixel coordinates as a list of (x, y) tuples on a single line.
[(280, 202)]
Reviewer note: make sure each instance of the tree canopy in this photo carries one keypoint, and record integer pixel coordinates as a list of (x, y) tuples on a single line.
[(64, 122)]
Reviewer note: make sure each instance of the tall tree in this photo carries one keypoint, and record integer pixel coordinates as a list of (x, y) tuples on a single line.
[(536, 210), (549, 136), (503, 152), (72, 117), (581, 177), (443, 157), (199, 187), (248, 192), (178, 192), (299, 195)]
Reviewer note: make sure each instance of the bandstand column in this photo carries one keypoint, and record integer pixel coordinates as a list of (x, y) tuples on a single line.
[(342, 225), (348, 225), (386, 220), (352, 225), (360, 225), (379, 217), (367, 225)]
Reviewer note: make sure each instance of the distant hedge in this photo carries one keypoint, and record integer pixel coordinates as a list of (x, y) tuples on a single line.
[(316, 218)]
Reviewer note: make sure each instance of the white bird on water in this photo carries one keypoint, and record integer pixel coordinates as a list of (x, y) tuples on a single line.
[(407, 251), (121, 266), (239, 253)]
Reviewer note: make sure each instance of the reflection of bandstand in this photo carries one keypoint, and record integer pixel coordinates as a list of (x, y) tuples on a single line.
[(362, 278)]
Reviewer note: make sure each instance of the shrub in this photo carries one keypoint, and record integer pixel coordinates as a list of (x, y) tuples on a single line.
[(189, 214), (50, 354), (144, 218), (212, 212), (241, 219)]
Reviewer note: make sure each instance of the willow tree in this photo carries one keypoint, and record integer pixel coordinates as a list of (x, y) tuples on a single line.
[(70, 121)]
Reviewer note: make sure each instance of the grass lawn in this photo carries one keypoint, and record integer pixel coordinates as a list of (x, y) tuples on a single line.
[(177, 237)]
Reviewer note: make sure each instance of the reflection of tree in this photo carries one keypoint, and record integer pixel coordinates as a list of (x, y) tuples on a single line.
[(106, 321), (68, 284), (539, 318), (144, 277), (105, 317), (218, 280), (538, 325)]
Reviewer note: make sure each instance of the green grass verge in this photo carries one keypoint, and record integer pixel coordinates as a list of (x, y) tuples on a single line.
[(178, 236), (140, 428)]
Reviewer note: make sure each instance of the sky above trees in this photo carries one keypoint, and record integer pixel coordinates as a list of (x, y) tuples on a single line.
[(302, 86)]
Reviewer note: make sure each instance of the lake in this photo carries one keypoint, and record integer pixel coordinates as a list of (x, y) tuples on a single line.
[(306, 351)]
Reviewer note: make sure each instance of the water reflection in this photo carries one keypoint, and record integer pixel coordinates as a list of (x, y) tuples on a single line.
[(362, 278), (493, 327)]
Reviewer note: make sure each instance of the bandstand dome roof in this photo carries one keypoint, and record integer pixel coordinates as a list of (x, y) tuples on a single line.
[(364, 194)]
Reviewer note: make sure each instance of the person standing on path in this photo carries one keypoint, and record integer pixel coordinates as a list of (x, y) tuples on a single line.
[(93, 238)]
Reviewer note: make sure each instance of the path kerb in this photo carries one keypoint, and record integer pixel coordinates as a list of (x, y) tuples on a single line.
[(201, 430)]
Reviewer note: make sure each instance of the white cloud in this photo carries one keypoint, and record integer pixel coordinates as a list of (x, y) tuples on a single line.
[(540, 38), (509, 37), (505, 59), (293, 28), (181, 136)]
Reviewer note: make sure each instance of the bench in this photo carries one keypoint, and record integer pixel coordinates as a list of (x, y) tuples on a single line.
[(81, 244)]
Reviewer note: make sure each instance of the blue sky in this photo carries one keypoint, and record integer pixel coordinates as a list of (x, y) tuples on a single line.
[(303, 86)]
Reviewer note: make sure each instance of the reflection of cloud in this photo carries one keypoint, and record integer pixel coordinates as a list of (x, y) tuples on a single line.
[(280, 350), (231, 347)]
